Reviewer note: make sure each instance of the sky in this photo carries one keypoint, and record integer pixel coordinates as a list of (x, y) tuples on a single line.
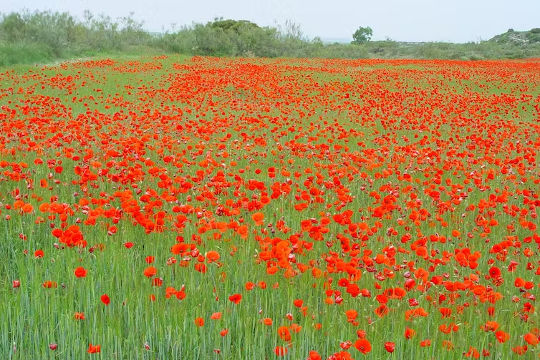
[(400, 20)]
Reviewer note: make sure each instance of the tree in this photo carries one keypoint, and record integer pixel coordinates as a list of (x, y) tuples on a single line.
[(12, 28), (362, 35), (236, 26)]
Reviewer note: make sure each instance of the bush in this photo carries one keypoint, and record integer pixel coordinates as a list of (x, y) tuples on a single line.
[(42, 36), (23, 53)]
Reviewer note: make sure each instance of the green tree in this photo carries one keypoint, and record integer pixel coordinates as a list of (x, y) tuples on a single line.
[(236, 26), (12, 28), (362, 35)]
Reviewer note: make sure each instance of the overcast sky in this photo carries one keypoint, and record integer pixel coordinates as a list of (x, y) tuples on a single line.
[(403, 20)]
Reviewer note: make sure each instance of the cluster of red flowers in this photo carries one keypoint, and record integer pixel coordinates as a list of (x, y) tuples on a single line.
[(407, 189)]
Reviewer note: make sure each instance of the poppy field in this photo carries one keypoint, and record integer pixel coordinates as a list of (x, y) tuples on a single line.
[(216, 208)]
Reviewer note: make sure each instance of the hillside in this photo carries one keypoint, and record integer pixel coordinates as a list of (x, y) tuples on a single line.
[(518, 37)]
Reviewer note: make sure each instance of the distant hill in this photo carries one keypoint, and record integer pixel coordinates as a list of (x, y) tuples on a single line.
[(518, 37), (339, 40)]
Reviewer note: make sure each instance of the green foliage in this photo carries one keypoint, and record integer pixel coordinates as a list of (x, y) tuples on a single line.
[(23, 53), (518, 37), (43, 36), (362, 35), (12, 28), (533, 36), (38, 37), (237, 26)]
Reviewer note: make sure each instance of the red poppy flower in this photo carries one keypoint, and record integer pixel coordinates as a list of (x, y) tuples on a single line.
[(212, 256), (531, 339), (235, 298), (284, 333), (258, 218), (281, 350), (389, 346), (105, 299), (150, 271), (502, 336), (199, 321), (363, 345), (409, 333), (494, 272), (80, 272), (93, 349), (425, 343)]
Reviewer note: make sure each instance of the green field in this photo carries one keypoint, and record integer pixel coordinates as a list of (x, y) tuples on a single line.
[(235, 208)]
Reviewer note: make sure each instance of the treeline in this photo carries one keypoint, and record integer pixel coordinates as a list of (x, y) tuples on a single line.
[(39, 37)]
